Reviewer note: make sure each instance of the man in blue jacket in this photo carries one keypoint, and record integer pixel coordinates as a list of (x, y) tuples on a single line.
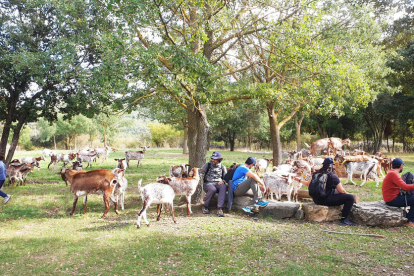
[(244, 180), (3, 174)]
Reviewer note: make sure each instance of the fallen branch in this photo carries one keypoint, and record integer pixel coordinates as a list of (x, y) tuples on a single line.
[(358, 234)]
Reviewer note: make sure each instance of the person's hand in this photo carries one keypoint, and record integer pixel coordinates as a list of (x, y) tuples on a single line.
[(220, 182), (263, 188)]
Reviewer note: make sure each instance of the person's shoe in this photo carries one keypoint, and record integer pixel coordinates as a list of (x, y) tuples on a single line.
[(247, 210), (7, 198), (410, 224), (346, 222), (220, 212), (206, 211), (261, 203)]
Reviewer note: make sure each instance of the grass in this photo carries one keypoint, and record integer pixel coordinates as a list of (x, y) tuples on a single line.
[(37, 236)]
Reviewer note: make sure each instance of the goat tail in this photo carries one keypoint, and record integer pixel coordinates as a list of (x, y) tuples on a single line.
[(139, 184)]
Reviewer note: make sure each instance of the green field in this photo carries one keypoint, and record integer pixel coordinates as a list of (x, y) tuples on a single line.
[(37, 236)]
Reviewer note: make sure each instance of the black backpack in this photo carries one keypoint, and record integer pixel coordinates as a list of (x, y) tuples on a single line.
[(229, 175), (408, 178), (317, 187)]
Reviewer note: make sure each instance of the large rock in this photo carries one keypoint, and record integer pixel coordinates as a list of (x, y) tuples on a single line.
[(377, 214), (242, 201), (319, 213), (281, 210)]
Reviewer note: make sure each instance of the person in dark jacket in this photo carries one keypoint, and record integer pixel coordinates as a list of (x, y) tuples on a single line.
[(336, 194), (214, 173), (3, 175)]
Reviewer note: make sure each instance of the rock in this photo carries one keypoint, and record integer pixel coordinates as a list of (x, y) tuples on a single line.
[(242, 201), (377, 214), (281, 210), (300, 214), (319, 213)]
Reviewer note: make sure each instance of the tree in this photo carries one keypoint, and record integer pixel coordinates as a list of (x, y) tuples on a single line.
[(46, 50)]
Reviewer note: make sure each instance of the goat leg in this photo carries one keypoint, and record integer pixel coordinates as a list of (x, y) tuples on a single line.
[(84, 204), (188, 198), (143, 212), (106, 202), (172, 212), (75, 200), (159, 209)]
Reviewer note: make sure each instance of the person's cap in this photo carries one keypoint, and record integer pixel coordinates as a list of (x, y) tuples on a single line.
[(327, 162), (216, 155), (397, 162), (251, 160)]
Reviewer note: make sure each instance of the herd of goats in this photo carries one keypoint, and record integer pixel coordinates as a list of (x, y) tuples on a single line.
[(283, 180)]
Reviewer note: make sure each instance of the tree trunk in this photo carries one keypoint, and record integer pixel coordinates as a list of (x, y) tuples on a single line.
[(298, 123), (198, 128), (54, 141), (275, 134), (232, 137), (8, 123), (105, 139), (15, 140), (185, 151)]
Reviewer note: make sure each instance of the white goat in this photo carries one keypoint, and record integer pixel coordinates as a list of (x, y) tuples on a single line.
[(155, 193)]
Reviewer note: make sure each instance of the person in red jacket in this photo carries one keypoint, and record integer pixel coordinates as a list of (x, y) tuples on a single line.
[(391, 190)]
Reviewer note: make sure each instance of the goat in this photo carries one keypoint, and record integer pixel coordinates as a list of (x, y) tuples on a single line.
[(34, 161), (263, 164), (18, 172), (82, 183), (319, 145), (180, 171), (278, 184), (120, 187), (316, 163), (155, 193), (121, 163), (77, 166), (338, 143), (183, 186), (65, 158), (363, 167), (48, 152), (135, 155), (86, 158)]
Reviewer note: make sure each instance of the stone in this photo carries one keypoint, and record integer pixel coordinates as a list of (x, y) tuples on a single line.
[(242, 201), (377, 214), (320, 213), (300, 214), (281, 210)]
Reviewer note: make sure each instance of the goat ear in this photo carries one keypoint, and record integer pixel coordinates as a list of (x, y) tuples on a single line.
[(116, 159)]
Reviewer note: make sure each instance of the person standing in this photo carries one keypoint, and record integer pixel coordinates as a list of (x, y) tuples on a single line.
[(214, 183), (3, 175), (391, 186)]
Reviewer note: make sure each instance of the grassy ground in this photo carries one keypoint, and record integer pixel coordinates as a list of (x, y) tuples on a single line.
[(37, 236)]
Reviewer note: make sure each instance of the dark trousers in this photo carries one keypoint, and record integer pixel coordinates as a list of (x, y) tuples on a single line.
[(1, 192), (338, 199), (211, 189), (403, 201)]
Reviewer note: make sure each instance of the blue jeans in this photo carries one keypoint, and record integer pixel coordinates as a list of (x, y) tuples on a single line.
[(1, 192), (403, 201)]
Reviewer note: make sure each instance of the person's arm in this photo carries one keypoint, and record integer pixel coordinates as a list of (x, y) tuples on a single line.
[(304, 182), (257, 179), (397, 180), (223, 173), (340, 189)]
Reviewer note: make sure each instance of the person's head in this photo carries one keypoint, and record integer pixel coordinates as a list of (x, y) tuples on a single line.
[(327, 163), (216, 157), (250, 162), (397, 163)]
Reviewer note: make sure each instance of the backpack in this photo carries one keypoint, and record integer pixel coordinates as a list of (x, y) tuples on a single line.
[(229, 175), (408, 178), (317, 187)]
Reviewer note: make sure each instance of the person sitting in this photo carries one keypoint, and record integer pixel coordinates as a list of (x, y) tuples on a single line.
[(335, 192), (391, 186), (244, 180), (213, 183)]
